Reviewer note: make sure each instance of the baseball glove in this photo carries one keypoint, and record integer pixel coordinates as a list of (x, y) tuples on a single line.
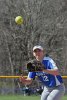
[(35, 66)]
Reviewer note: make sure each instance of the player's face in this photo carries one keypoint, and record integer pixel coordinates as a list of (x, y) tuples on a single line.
[(38, 54)]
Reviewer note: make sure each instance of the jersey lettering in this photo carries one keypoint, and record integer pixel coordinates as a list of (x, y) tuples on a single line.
[(45, 78)]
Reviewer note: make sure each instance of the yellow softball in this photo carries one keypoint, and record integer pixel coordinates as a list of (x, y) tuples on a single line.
[(19, 20)]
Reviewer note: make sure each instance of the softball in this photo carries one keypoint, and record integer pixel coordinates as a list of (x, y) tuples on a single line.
[(19, 20)]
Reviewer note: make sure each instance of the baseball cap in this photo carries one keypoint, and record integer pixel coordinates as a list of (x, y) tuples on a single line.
[(37, 47)]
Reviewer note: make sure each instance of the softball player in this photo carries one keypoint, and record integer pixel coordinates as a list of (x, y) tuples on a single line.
[(54, 88)]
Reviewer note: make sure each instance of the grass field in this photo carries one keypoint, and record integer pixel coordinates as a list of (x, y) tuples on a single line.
[(20, 97)]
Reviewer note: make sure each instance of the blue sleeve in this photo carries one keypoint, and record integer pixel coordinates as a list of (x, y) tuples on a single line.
[(31, 74), (46, 63), (49, 64)]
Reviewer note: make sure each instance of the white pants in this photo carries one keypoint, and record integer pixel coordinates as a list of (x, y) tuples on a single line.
[(55, 93)]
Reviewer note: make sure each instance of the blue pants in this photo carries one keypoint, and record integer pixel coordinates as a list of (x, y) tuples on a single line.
[(55, 93)]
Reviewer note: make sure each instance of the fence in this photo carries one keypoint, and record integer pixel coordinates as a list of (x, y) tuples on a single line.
[(24, 76), (5, 89)]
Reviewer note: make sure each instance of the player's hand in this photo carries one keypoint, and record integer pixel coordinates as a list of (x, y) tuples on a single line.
[(22, 79)]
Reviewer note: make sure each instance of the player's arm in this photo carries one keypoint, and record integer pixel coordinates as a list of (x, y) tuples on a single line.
[(51, 67), (25, 80), (53, 71), (29, 79)]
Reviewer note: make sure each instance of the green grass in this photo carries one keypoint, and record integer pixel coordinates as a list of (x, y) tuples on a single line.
[(21, 97)]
